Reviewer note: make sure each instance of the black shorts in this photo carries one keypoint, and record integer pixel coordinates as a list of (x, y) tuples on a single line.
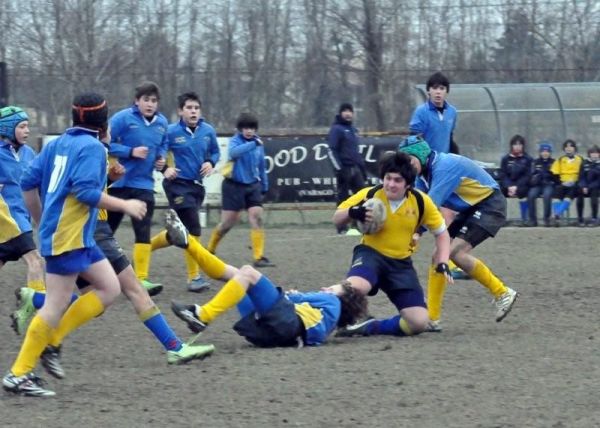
[(184, 193), (133, 193), (396, 277), (280, 326), (17, 247), (239, 196), (481, 221), (111, 249)]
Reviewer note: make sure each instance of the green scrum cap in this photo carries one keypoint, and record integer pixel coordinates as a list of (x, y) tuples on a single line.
[(415, 145)]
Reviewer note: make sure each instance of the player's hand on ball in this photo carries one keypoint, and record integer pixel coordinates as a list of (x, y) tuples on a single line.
[(135, 208)]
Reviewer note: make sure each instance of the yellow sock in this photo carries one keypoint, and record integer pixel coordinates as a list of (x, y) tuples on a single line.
[(257, 237), (192, 265), (141, 260), (159, 240), (227, 297), (482, 274), (80, 312), (37, 285), (404, 327), (215, 238), (213, 266), (436, 286), (452, 265), (36, 339), (148, 313)]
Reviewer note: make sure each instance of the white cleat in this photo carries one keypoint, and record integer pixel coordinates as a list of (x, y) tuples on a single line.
[(505, 303)]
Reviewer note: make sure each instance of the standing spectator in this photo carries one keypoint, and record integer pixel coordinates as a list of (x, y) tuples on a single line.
[(589, 181), (542, 183), (436, 119), (243, 188), (567, 168), (139, 142), (193, 153), (347, 161), (515, 173)]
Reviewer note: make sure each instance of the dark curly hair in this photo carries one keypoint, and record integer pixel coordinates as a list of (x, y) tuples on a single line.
[(354, 305), (399, 163)]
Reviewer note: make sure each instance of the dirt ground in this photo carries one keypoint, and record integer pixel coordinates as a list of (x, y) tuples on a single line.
[(540, 367)]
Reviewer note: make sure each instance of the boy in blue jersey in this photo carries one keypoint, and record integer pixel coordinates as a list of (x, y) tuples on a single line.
[(63, 189), (436, 119), (16, 236), (542, 184), (269, 316), (382, 260), (139, 142), (243, 188), (515, 174), (456, 184), (193, 154)]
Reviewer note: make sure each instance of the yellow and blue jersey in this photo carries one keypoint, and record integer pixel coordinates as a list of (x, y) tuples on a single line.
[(188, 149), (319, 313), (130, 129), (455, 182), (249, 161), (70, 173), (14, 217), (567, 168), (395, 237)]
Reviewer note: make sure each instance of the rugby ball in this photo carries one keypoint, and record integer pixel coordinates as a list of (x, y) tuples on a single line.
[(379, 214)]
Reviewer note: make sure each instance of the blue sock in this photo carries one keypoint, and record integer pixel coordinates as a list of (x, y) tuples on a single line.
[(39, 299), (389, 326), (565, 206), (556, 206), (158, 325), (524, 206)]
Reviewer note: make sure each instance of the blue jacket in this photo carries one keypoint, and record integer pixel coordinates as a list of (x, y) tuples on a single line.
[(343, 145), (190, 150), (319, 313), (515, 171), (14, 217), (249, 161), (129, 129), (455, 182), (590, 174), (541, 174), (436, 127), (70, 172)]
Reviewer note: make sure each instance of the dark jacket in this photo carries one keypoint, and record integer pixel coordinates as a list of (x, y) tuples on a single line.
[(541, 175), (343, 145), (589, 175), (515, 171)]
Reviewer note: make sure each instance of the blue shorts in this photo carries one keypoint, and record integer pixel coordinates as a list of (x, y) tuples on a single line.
[(268, 318), (75, 261), (396, 277), (239, 196), (184, 193)]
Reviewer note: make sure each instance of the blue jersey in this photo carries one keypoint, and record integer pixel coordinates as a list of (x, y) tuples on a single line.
[(319, 313), (14, 217), (130, 129), (249, 161), (455, 182), (189, 150), (435, 126), (70, 172)]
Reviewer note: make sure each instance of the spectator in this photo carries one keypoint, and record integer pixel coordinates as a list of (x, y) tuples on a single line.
[(567, 167), (515, 173), (589, 181), (542, 183)]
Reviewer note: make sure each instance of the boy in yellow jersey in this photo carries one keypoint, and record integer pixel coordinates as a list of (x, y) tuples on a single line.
[(382, 259), (567, 168), (456, 184)]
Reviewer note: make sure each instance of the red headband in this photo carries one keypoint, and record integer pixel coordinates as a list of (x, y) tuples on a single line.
[(81, 110)]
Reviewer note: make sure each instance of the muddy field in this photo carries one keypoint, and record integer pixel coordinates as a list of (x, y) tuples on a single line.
[(540, 367)]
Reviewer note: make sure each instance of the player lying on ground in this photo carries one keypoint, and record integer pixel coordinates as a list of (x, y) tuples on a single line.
[(269, 317)]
